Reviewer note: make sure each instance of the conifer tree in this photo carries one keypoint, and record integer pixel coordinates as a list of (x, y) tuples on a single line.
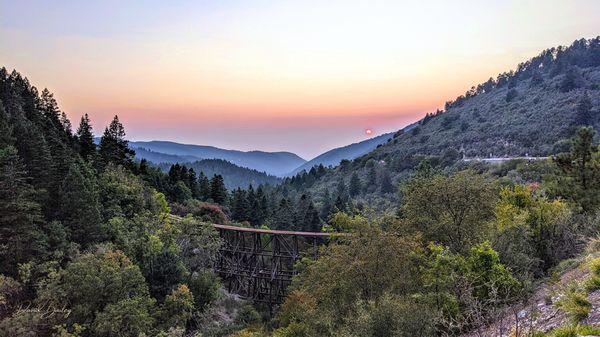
[(340, 204), (66, 124), (6, 137), (192, 181), (218, 192), (386, 185), (327, 205), (307, 217), (584, 111), (85, 138), (260, 207), (239, 205), (79, 205), (203, 186), (113, 146), (355, 185), (342, 193), (21, 236), (581, 183), (371, 184), (312, 220), (283, 218)]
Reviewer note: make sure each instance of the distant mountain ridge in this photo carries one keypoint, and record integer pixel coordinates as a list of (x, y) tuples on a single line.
[(334, 156), (274, 163)]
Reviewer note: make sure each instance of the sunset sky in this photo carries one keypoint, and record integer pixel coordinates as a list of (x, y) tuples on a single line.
[(300, 76)]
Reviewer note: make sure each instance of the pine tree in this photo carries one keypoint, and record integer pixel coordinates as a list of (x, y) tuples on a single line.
[(85, 138), (355, 185), (192, 182), (581, 183), (252, 204), (218, 192), (239, 205), (79, 205), (113, 146), (371, 184), (6, 137), (21, 237), (261, 207), (386, 185), (312, 222), (66, 124), (50, 110), (307, 217), (35, 153), (203, 186), (340, 204), (327, 205), (283, 218), (144, 169), (342, 191), (584, 110)]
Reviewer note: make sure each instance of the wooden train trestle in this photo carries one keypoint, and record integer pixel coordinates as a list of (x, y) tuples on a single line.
[(258, 264)]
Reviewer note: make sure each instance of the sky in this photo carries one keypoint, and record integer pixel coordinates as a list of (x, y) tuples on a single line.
[(299, 76)]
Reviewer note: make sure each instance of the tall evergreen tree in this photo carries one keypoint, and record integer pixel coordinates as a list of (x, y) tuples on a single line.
[(386, 185), (371, 184), (79, 204), (218, 192), (306, 217), (283, 218), (342, 190), (113, 146), (192, 181), (327, 206), (584, 110), (581, 183), (85, 138), (6, 136), (340, 204), (21, 237), (354, 187), (260, 207), (239, 205), (203, 186)]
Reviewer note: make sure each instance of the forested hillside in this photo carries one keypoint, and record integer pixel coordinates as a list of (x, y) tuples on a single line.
[(233, 175), (528, 111), (335, 156)]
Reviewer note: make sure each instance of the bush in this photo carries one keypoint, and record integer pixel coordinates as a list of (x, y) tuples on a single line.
[(575, 303), (573, 331), (202, 210), (593, 282)]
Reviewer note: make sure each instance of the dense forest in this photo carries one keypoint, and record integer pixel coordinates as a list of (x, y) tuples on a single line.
[(95, 243), (233, 175)]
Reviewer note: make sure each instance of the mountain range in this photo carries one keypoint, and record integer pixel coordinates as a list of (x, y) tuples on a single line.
[(274, 163), (278, 164)]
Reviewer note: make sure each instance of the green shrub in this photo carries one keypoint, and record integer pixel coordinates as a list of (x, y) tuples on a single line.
[(574, 331), (593, 282), (575, 303)]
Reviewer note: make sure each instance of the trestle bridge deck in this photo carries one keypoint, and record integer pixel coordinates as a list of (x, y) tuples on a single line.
[(258, 264)]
